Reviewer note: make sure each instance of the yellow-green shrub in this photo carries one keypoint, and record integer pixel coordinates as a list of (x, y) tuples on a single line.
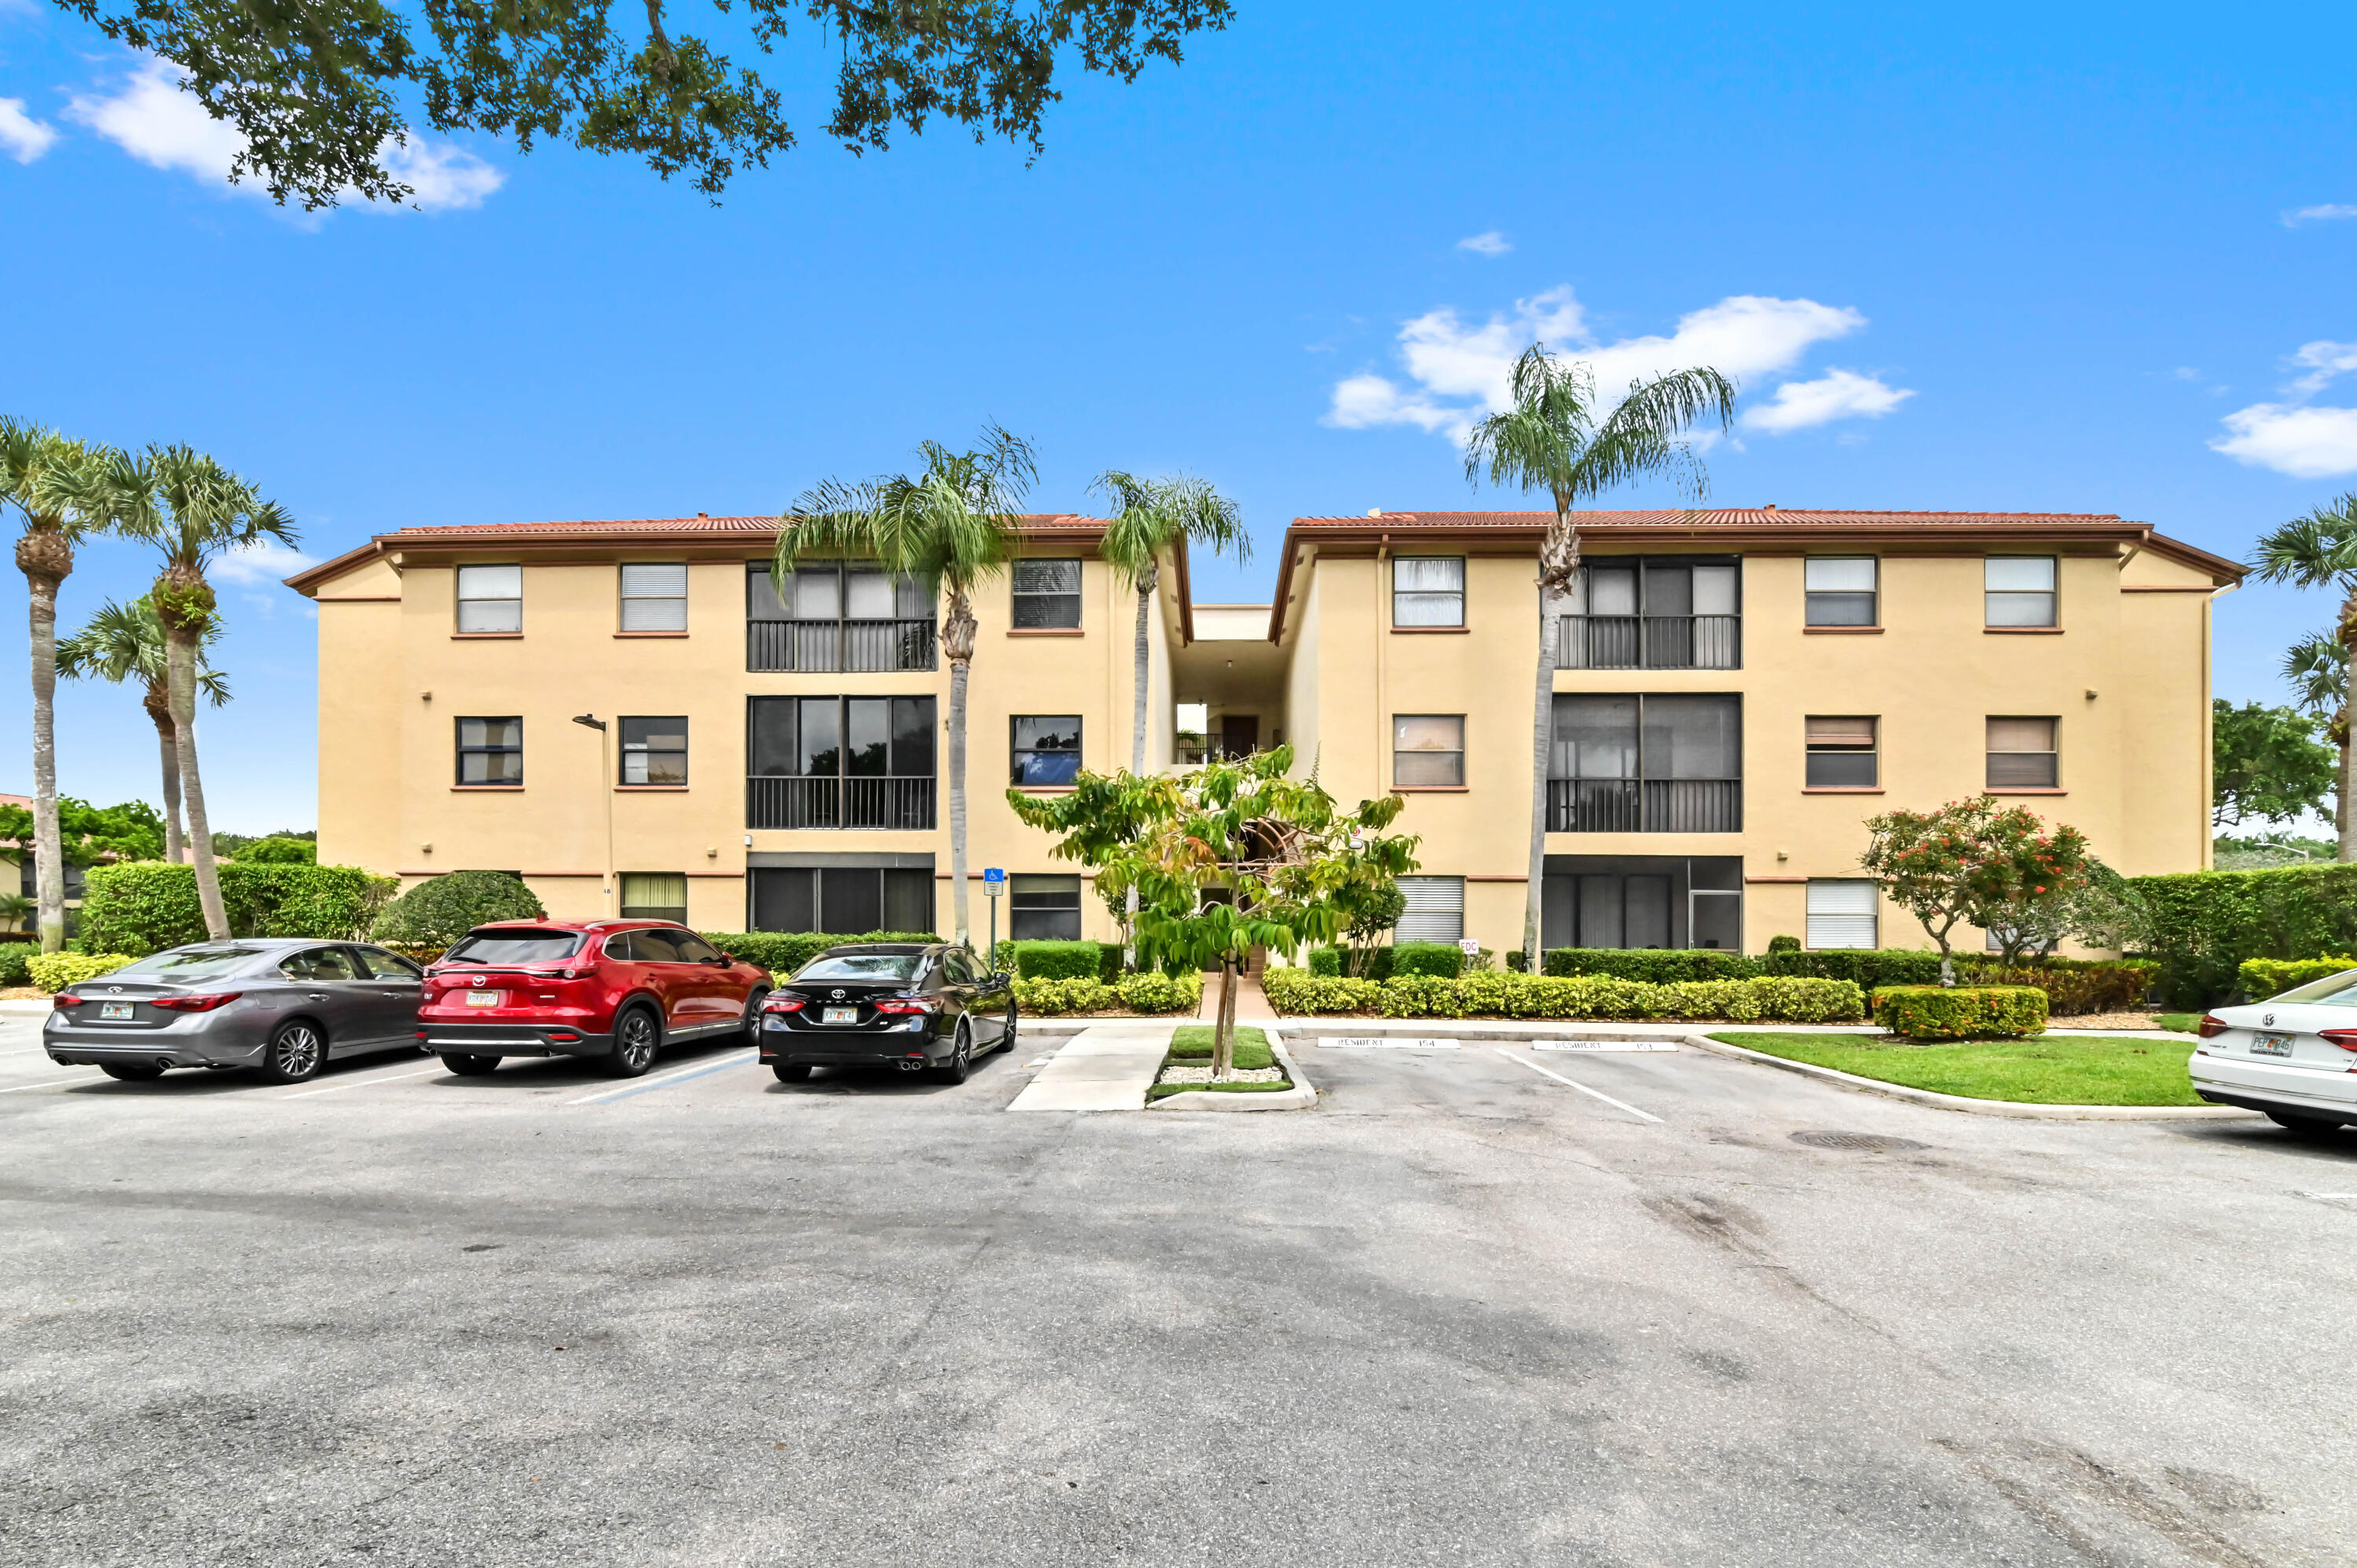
[(53, 971), (2266, 977), (1154, 992), (1961, 1012), (1057, 998), (1493, 993)]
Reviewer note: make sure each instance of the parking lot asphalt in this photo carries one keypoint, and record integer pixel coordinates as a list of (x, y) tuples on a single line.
[(1463, 1312)]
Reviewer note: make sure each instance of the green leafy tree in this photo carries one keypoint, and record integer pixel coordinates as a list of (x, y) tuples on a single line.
[(47, 478), (1370, 915), (441, 909), (1292, 864), (318, 92), (951, 527), (191, 509), (126, 641), (1557, 438), (1973, 863), (2267, 763), (2319, 551), (16, 909), (88, 833), (279, 851)]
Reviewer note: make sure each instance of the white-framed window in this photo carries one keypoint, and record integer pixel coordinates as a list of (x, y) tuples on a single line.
[(1427, 750), (1435, 910), (1843, 590), (491, 598), (2019, 590), (654, 596), (1841, 914), (1047, 594), (2025, 754), (1427, 590)]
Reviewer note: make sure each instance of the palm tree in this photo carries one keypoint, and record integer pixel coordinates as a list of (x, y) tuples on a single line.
[(126, 640), (2319, 551), (192, 508), (1553, 439), (41, 473), (951, 525)]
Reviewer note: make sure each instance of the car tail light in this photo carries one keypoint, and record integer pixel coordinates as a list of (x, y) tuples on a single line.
[(63, 999), (904, 1007), (2345, 1038), (782, 1004), (2210, 1027), (204, 1004)]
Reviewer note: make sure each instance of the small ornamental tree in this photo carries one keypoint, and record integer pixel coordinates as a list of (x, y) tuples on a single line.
[(435, 913), (1294, 866), (1973, 863)]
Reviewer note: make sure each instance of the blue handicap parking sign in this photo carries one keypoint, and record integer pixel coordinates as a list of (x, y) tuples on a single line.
[(994, 875)]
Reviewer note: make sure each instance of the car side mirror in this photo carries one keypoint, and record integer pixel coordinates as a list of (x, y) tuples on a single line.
[(724, 961)]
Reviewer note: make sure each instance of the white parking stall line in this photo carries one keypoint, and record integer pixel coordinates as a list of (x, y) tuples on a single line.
[(1593, 1093), (51, 1083), (364, 1082), (734, 1058)]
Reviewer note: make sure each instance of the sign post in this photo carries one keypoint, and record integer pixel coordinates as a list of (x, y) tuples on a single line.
[(993, 883)]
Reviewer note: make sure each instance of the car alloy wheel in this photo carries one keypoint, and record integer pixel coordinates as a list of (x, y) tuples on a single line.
[(635, 1041), (1013, 1020), (297, 1052), (753, 1015), (961, 1060)]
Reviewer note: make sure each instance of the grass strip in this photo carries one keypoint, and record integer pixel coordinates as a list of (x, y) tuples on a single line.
[(2050, 1069), (1192, 1042), (2178, 1023), (1164, 1090)]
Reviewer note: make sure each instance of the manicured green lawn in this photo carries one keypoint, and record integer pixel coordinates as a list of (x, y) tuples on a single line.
[(2049, 1069), (1192, 1042), (2181, 1022)]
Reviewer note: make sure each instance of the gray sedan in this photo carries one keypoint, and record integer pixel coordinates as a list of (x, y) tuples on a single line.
[(280, 1005)]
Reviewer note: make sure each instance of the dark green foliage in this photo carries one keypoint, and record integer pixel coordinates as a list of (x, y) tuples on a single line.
[(782, 953), (2073, 986), (279, 851), (1960, 1012), (1786, 943), (228, 846), (144, 906), (1517, 959), (1444, 960), (1375, 963), (13, 957), (2267, 762), (1657, 966), (438, 912), (133, 831), (1869, 967), (1059, 961), (2201, 925)]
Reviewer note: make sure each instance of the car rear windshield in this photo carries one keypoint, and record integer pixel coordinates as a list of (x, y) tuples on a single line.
[(191, 966), (2332, 991), (863, 966), (513, 947)]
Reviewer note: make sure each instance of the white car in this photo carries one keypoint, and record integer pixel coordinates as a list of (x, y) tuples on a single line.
[(2293, 1057)]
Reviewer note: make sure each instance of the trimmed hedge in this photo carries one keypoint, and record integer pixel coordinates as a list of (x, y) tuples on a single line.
[(1064, 961), (782, 953), (2201, 925), (1867, 968), (2265, 977), (1153, 992), (1655, 966), (2073, 986), (1445, 959), (146, 905), (1961, 1012), (1504, 994), (55, 970), (13, 959), (1147, 992), (438, 911)]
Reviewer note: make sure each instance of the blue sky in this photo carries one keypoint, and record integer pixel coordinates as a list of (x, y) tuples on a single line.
[(2011, 259)]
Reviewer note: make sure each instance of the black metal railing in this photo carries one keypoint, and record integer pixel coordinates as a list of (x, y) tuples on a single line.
[(839, 803), (1649, 642), (1644, 805), (823, 646)]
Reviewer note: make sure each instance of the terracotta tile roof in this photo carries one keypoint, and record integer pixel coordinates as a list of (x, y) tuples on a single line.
[(699, 523), (1708, 517)]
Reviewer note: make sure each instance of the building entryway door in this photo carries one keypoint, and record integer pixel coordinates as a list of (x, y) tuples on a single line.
[(1239, 733)]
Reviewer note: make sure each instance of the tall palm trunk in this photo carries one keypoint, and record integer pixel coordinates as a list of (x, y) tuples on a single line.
[(2346, 833), (46, 557), (1558, 568), (158, 704), (1140, 670), (957, 643), (184, 602)]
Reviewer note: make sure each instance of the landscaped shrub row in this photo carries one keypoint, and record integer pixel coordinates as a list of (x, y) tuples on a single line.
[(1150, 991), (2266, 977), (1503, 994), (146, 905), (1445, 959), (1960, 1012), (782, 953), (53, 971), (1655, 966), (2072, 985), (14, 957), (1062, 960), (2201, 925)]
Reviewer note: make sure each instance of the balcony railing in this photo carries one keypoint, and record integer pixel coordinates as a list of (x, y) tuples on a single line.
[(1649, 642), (826, 646), (906, 803), (1644, 805)]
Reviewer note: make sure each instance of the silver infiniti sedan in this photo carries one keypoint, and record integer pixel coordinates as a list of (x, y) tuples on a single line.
[(280, 1005)]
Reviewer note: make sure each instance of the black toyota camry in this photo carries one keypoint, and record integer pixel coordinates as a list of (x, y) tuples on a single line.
[(916, 1007)]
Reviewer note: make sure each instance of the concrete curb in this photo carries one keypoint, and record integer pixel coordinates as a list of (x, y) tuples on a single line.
[(2012, 1108), (1302, 1096), (27, 1007)]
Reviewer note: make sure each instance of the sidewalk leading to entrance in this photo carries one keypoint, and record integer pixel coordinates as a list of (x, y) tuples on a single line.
[(1252, 1003), (1105, 1067)]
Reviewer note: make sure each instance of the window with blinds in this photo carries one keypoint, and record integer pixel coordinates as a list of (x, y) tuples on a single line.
[(1427, 590), (2019, 590), (654, 895), (1843, 754), (491, 599), (1841, 914), (654, 596), (2023, 754), (1435, 910), (1842, 590)]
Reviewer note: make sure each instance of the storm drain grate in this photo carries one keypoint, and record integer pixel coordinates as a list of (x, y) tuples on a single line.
[(1867, 1143)]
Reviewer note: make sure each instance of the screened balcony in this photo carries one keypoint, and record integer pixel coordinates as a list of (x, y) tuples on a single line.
[(840, 763), (1646, 764), (1639, 613), (837, 616)]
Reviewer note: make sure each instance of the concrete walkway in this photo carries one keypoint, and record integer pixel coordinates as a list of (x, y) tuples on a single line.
[(1252, 1003), (1105, 1067)]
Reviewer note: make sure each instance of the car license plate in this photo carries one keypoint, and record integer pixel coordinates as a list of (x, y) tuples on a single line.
[(2271, 1044), (839, 1015), (116, 1010), (485, 998)]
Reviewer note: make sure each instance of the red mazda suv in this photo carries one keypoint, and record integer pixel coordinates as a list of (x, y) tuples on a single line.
[(615, 990)]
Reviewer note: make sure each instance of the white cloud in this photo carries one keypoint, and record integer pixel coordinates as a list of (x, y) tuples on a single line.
[(2324, 362), (1462, 370), (24, 138), (264, 561), (155, 121), (1490, 242), (1837, 394), (2306, 443), (2324, 214)]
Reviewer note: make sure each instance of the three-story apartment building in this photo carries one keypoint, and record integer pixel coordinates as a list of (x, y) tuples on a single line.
[(1736, 691)]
